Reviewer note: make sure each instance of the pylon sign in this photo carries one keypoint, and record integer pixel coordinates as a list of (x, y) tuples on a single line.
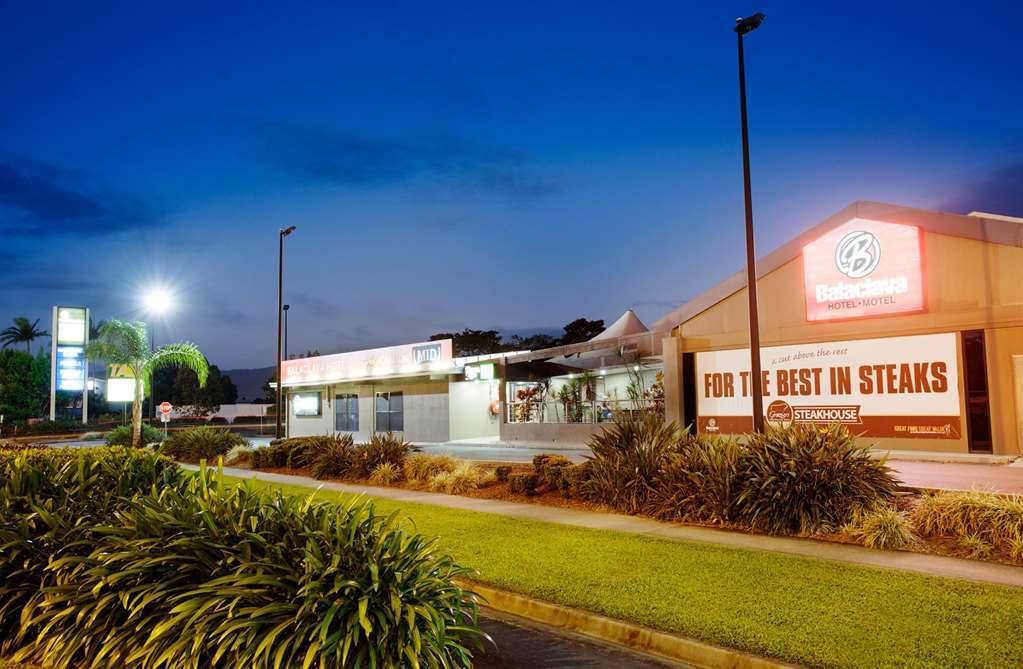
[(69, 368)]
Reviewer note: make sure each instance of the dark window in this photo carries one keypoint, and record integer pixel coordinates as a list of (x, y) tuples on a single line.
[(978, 409), (346, 413), (390, 412)]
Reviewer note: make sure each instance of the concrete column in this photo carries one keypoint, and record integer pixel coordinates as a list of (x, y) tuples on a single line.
[(671, 348)]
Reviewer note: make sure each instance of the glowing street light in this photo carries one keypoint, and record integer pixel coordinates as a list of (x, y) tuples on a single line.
[(157, 300)]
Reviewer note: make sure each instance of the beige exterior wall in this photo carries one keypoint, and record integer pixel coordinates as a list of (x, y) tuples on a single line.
[(970, 285)]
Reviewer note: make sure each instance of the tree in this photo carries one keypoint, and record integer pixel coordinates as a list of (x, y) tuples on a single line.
[(533, 342), (24, 385), (203, 400), (473, 342), (581, 330), (22, 331), (127, 343)]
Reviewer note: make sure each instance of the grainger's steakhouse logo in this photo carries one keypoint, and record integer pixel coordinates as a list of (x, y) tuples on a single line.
[(863, 268), (781, 413)]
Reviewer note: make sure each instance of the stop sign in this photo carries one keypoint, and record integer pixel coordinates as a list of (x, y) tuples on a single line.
[(165, 408)]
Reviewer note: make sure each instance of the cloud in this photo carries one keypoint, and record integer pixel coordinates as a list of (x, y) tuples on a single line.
[(445, 161), (42, 200), (1000, 191)]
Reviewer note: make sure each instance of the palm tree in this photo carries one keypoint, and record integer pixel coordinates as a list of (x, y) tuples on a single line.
[(127, 343), (22, 331)]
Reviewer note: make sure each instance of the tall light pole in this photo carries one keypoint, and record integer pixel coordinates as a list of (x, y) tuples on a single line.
[(282, 233), (287, 308), (157, 301), (744, 27)]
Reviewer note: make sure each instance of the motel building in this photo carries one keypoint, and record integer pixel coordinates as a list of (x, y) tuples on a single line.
[(903, 324), (906, 325), (423, 393)]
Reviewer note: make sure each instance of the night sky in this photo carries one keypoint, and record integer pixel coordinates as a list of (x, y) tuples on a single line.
[(455, 165)]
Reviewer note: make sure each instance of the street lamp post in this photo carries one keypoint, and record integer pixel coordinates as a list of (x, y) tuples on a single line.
[(158, 301), (744, 27), (287, 308), (282, 233)]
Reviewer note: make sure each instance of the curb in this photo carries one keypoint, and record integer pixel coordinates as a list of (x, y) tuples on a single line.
[(618, 633)]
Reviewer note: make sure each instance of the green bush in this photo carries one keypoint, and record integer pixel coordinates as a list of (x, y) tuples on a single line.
[(502, 473), (550, 468), (804, 479), (385, 474), (423, 467), (627, 459), (121, 435), (334, 460), (239, 455), (51, 501), (699, 482), (994, 519), (573, 479), (884, 527), (381, 448), (293, 452), (524, 483), (464, 478), (201, 443), (203, 575)]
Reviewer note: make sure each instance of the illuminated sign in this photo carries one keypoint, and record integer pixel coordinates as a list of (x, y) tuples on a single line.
[(426, 353), (481, 372), (863, 268), (373, 363), (896, 387), (306, 404), (120, 384), (71, 325), (70, 368)]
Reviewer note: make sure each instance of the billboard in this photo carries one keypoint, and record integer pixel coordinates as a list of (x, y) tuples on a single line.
[(863, 268), (899, 387)]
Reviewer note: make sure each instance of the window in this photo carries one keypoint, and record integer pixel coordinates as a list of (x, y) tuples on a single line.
[(390, 412), (306, 404), (346, 413)]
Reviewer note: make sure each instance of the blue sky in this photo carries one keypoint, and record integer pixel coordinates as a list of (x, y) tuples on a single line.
[(455, 165)]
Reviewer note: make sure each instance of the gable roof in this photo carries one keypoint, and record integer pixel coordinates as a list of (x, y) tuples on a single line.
[(992, 228)]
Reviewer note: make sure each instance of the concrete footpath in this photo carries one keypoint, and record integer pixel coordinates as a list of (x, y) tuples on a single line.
[(933, 565)]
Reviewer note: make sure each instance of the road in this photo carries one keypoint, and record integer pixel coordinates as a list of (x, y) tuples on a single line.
[(520, 645)]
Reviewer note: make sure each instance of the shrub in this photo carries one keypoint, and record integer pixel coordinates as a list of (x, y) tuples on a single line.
[(698, 483), (423, 467), (550, 467), (121, 435), (239, 455), (995, 519), (805, 479), (885, 527), (976, 546), (381, 448), (218, 420), (201, 443), (334, 457), (199, 574), (524, 483), (501, 473), (464, 478), (51, 501), (627, 457), (293, 452), (385, 473), (573, 478), (11, 445)]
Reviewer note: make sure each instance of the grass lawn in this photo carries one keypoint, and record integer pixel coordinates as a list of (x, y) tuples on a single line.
[(799, 609)]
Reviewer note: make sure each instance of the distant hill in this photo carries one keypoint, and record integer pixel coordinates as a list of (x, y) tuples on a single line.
[(250, 382)]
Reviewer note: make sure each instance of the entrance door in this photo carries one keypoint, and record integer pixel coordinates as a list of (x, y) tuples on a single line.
[(978, 407)]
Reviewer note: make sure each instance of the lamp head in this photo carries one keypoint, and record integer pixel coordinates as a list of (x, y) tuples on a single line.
[(286, 307), (749, 24), (287, 231), (158, 300)]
